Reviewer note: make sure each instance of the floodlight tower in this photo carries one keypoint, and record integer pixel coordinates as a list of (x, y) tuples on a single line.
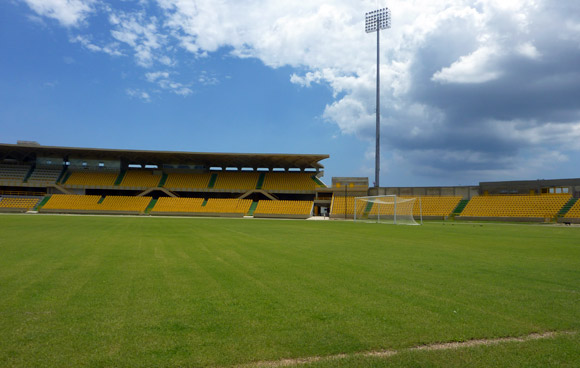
[(374, 22)]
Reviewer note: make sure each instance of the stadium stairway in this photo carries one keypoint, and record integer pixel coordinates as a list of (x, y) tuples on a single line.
[(120, 178), (28, 174), (66, 176), (253, 208), (261, 181), (42, 203), (62, 174), (318, 182), (460, 207), (163, 180), (367, 210), (212, 181), (567, 207), (151, 205)]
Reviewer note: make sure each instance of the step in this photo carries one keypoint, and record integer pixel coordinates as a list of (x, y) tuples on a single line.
[(163, 180), (62, 174), (253, 208), (151, 205), (120, 177), (42, 203), (212, 181), (564, 210), (460, 206), (28, 174), (261, 179)]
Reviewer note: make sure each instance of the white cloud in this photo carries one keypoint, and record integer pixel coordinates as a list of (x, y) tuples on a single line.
[(110, 49), (141, 33), (472, 68), (163, 80), (153, 76), (69, 13), (529, 50), (140, 94)]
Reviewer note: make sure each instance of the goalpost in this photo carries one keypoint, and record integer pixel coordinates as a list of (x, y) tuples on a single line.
[(387, 209)]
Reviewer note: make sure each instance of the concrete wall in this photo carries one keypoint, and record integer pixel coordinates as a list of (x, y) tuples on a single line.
[(466, 192), (526, 186)]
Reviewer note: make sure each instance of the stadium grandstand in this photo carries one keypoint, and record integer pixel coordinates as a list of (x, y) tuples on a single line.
[(86, 180), (47, 179)]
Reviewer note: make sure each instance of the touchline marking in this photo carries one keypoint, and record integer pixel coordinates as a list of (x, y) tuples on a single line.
[(389, 353)]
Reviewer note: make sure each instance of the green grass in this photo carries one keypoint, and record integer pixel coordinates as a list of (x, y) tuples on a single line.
[(173, 292)]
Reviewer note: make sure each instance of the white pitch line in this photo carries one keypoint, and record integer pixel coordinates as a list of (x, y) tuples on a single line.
[(389, 353)]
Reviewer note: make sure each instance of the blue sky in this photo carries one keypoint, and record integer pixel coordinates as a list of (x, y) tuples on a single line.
[(471, 90)]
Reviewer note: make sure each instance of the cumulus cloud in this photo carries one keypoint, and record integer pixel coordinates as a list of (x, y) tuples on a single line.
[(467, 85), (472, 68), (141, 33), (69, 13)]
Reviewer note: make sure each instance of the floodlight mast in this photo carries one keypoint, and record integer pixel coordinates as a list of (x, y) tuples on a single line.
[(374, 22)]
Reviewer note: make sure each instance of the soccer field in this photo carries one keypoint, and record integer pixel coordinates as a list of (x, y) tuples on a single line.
[(188, 292)]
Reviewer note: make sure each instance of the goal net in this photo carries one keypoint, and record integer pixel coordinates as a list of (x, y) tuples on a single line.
[(385, 209)]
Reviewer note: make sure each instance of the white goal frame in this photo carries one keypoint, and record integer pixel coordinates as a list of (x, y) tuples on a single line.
[(389, 200)]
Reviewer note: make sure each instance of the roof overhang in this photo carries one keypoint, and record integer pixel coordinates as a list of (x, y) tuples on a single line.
[(28, 152)]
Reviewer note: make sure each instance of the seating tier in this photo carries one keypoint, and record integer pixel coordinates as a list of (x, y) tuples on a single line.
[(289, 181), (13, 172), (284, 207), (169, 204), (88, 178), (19, 202), (195, 205), (237, 180), (545, 206), (91, 203), (188, 181), (139, 178), (44, 175), (574, 212)]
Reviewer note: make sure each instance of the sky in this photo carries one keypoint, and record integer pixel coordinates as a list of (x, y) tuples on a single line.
[(471, 90)]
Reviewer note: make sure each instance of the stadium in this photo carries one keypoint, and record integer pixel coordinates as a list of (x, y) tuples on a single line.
[(143, 232), (45, 179), (166, 259)]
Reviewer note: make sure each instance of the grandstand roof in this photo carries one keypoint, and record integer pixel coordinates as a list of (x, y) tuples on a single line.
[(28, 151)]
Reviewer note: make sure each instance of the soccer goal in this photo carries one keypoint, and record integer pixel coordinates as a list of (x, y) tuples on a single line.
[(387, 209)]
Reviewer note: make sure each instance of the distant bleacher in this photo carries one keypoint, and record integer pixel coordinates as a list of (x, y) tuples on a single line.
[(574, 211), (427, 206), (289, 181), (237, 180), (268, 208), (44, 175), (438, 206), (18, 203), (178, 181), (342, 205), (92, 178), (178, 205), (220, 206), (72, 202), (96, 203), (523, 206), (13, 172), (223, 205), (140, 179)]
